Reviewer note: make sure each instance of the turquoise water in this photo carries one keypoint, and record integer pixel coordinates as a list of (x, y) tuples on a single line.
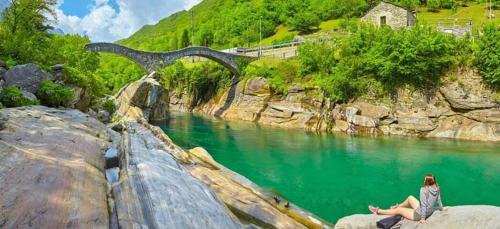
[(334, 175)]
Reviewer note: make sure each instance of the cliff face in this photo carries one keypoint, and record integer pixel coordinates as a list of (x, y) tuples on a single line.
[(461, 108)]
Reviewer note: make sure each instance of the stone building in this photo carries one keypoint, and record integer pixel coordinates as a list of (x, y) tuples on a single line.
[(395, 16)]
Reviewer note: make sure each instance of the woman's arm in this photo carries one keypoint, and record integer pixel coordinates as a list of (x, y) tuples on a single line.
[(440, 204)]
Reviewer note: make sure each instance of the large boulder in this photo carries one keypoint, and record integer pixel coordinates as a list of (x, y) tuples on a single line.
[(143, 99), (473, 216), (156, 191), (52, 169), (27, 77), (58, 72), (460, 127), (258, 87), (467, 92), (486, 116), (375, 111)]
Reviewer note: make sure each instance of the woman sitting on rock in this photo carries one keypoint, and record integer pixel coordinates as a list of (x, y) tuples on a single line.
[(420, 210)]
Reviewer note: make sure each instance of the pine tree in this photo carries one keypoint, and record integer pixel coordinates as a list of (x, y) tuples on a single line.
[(185, 39)]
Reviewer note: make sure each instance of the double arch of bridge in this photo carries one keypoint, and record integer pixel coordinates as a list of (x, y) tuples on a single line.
[(152, 61)]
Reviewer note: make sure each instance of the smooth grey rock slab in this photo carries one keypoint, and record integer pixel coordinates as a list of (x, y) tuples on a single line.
[(157, 192), (470, 216)]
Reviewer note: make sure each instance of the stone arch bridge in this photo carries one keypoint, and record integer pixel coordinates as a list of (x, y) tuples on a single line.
[(152, 61)]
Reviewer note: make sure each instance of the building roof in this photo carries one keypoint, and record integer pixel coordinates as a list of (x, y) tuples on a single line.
[(387, 2)]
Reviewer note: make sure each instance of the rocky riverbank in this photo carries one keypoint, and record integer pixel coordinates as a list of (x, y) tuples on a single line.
[(453, 217), (54, 174), (139, 102), (461, 108), (130, 174)]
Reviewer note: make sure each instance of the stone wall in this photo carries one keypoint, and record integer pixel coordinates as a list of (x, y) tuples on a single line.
[(396, 17), (456, 30)]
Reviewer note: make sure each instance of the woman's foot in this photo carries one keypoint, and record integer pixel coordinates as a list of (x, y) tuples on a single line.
[(373, 209)]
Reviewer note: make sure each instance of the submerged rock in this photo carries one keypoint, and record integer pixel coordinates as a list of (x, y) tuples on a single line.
[(472, 216), (52, 169), (155, 191)]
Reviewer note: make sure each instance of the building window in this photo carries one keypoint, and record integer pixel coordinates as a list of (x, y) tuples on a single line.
[(383, 21)]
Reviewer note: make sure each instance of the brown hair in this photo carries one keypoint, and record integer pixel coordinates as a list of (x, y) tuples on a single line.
[(430, 180)]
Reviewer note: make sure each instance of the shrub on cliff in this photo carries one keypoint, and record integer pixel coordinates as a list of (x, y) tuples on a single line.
[(488, 55), (371, 59), (54, 95), (279, 73), (201, 80), (13, 97)]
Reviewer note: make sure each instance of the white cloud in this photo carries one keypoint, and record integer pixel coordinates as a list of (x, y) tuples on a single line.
[(104, 23)]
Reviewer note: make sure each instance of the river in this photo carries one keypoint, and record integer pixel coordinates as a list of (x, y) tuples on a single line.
[(335, 175)]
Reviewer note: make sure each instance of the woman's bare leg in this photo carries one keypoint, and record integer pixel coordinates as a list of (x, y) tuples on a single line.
[(411, 201), (405, 212)]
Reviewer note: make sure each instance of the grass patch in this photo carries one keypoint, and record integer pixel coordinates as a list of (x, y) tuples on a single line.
[(478, 12), (282, 33)]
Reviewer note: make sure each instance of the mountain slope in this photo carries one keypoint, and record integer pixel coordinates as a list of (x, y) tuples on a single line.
[(229, 23)]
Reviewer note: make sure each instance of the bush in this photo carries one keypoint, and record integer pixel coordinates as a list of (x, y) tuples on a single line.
[(316, 58), (202, 80), (109, 106), (375, 60), (53, 95), (433, 5), (488, 55), (13, 97), (280, 75)]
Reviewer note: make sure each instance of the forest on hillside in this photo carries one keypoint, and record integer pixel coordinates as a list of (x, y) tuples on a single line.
[(369, 59)]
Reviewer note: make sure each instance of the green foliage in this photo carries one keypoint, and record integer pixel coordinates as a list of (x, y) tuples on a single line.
[(202, 80), (109, 106), (316, 58), (280, 76), (304, 21), (70, 50), (23, 31), (378, 59), (53, 94), (24, 38), (114, 72), (435, 5), (229, 23), (13, 97), (488, 55), (185, 41)]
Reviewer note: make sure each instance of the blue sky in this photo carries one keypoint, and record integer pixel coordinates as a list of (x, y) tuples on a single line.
[(111, 20)]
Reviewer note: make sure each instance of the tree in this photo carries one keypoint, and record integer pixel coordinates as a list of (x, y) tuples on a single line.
[(174, 43), (433, 5), (304, 21), (185, 42), (488, 55), (24, 24)]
